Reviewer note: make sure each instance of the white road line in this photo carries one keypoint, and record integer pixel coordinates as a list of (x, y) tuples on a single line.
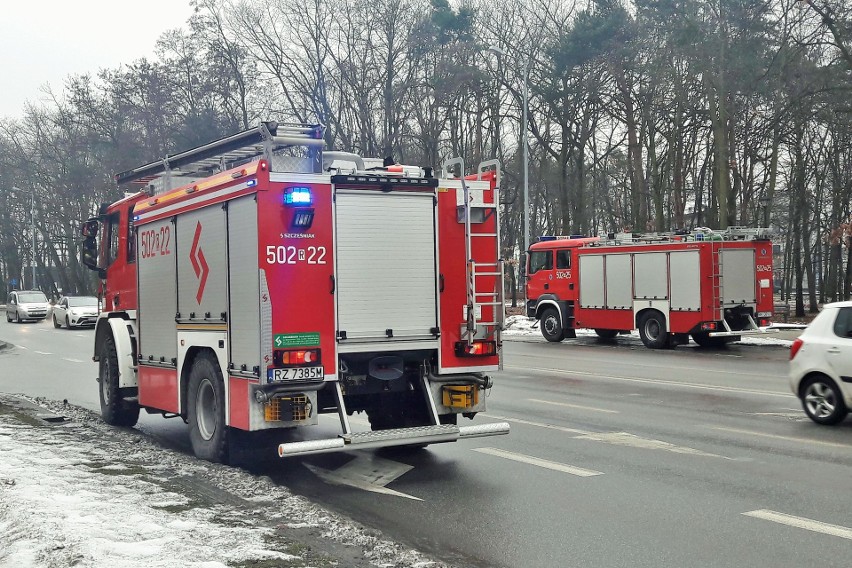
[(539, 424), (787, 438), (42, 352), (578, 471), (72, 360), (671, 367), (539, 401), (699, 386), (801, 523)]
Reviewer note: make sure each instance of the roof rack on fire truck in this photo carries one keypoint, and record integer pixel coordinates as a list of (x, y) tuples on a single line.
[(269, 140), (695, 235)]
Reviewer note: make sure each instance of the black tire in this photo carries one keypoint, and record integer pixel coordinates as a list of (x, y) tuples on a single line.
[(606, 333), (551, 325), (56, 324), (67, 323), (822, 400), (208, 433), (703, 339), (114, 409), (8, 318), (652, 330), (18, 317)]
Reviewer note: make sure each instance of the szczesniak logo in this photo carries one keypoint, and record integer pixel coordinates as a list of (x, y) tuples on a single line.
[(199, 265)]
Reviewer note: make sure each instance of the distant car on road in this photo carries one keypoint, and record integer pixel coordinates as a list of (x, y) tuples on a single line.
[(821, 365), (75, 311), (26, 305)]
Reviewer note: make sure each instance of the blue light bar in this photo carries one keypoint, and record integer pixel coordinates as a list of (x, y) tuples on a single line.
[(298, 196), (251, 183)]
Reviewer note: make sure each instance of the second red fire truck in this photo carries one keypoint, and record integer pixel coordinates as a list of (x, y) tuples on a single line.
[(714, 286), (257, 282)]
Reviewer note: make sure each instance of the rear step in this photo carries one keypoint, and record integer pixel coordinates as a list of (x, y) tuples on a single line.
[(396, 437)]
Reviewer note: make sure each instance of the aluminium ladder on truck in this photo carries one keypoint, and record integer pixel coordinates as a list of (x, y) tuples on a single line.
[(270, 141), (478, 326)]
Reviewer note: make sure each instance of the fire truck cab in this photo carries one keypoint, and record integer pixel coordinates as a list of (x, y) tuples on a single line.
[(257, 282), (714, 286)]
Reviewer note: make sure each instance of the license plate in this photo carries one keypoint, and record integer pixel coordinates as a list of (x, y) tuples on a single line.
[(299, 373)]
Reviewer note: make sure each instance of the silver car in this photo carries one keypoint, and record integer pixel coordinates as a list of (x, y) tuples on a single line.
[(26, 305), (75, 311)]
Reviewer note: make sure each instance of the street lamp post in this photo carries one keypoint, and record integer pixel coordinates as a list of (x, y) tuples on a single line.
[(32, 228), (523, 133)]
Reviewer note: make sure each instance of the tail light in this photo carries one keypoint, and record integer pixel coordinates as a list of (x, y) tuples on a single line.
[(797, 344), (764, 322), (708, 326), (296, 357), (477, 349)]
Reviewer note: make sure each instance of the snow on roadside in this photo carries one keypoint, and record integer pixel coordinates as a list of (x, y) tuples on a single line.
[(85, 494), (522, 326)]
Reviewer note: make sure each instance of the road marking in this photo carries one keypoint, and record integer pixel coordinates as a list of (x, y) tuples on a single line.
[(699, 386), (538, 424), (672, 367), (42, 352), (72, 360), (547, 464), (787, 438), (367, 472), (615, 438), (573, 406), (801, 523)]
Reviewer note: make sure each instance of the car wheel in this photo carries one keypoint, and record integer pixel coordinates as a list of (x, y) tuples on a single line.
[(606, 333), (551, 326), (8, 317), (67, 323), (56, 324), (18, 317), (208, 433), (822, 400), (114, 409), (652, 330)]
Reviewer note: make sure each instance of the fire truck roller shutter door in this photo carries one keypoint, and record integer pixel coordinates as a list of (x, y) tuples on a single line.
[(738, 276), (685, 280), (202, 265), (383, 239), (244, 285), (592, 289), (156, 258)]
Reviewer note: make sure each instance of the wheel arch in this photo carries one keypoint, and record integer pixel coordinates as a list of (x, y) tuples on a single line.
[(122, 330), (189, 359), (641, 313), (800, 391)]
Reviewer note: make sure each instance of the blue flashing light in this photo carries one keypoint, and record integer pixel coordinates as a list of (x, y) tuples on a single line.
[(298, 196), (251, 183)]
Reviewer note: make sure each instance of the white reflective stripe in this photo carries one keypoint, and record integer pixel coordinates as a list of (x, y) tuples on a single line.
[(194, 201)]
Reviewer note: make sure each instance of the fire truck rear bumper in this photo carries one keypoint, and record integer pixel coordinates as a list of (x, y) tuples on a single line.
[(743, 332), (397, 437)]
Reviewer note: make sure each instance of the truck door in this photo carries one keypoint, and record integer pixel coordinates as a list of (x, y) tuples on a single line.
[(540, 279)]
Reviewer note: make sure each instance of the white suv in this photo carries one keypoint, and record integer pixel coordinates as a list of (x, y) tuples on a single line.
[(821, 365), (25, 305)]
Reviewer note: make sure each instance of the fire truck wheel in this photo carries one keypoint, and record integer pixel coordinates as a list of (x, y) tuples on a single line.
[(652, 330), (114, 409), (606, 333), (206, 410), (551, 326)]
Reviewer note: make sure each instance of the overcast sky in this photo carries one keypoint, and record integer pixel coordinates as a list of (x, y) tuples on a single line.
[(44, 41)]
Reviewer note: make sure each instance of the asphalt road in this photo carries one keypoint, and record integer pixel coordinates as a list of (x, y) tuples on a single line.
[(618, 456)]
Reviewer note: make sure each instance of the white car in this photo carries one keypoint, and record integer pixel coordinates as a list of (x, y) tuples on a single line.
[(26, 305), (75, 311), (821, 365)]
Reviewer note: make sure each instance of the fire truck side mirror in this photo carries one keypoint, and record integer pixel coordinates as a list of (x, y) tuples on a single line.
[(89, 253)]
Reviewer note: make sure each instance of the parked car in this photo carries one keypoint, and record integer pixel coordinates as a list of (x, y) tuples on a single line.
[(821, 365), (75, 311), (26, 305)]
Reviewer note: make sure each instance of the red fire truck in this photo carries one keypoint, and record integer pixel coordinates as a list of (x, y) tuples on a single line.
[(714, 286), (257, 282)]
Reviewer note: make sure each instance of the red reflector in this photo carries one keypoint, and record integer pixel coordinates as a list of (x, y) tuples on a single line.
[(797, 344), (708, 326)]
